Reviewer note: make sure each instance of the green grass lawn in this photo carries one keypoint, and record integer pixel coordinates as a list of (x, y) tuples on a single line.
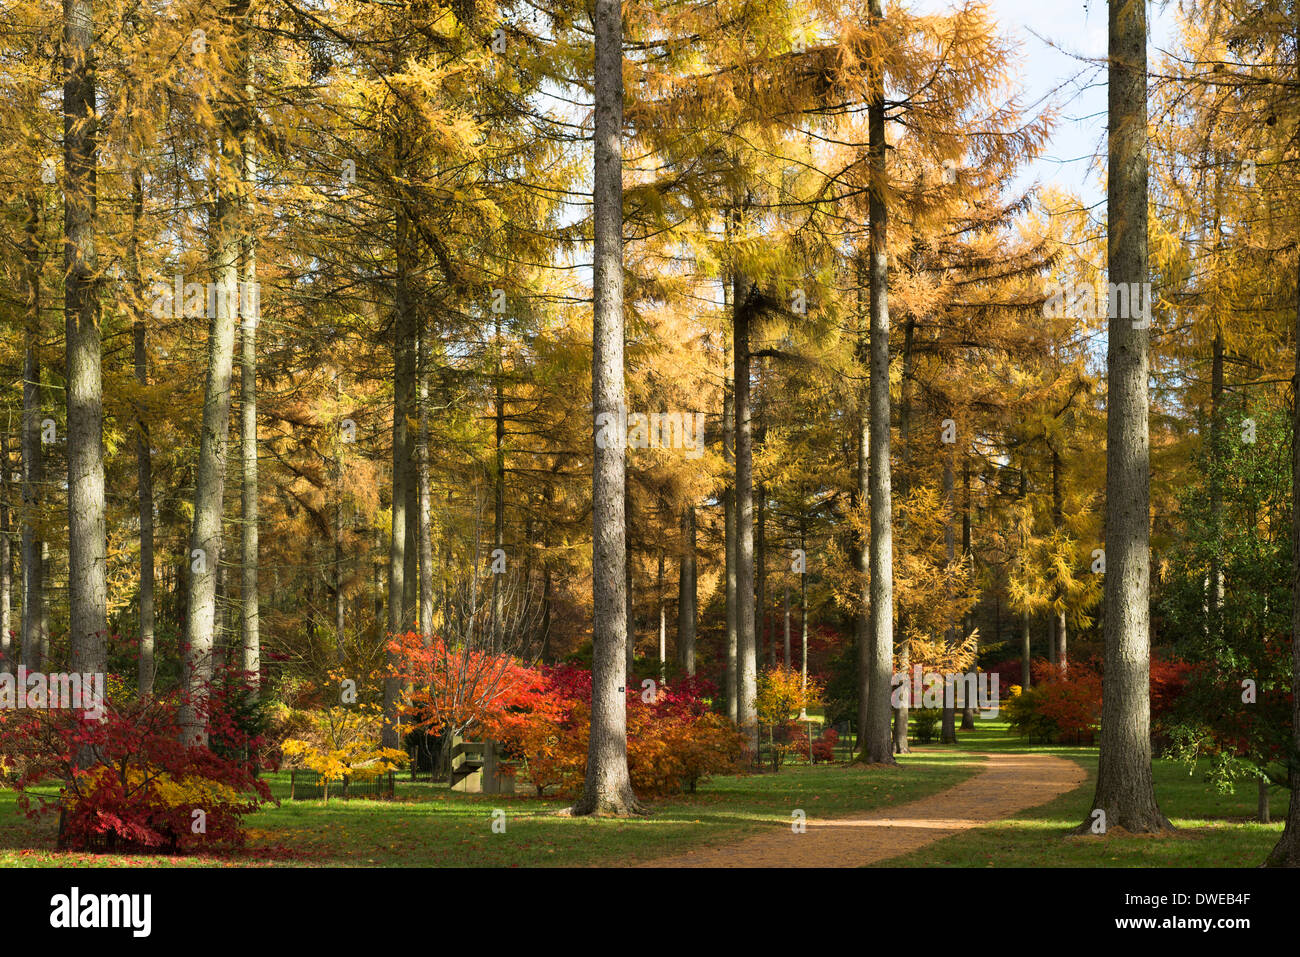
[(430, 826), (1214, 830)]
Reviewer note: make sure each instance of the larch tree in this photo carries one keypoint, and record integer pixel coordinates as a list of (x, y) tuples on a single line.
[(607, 788), (1125, 792)]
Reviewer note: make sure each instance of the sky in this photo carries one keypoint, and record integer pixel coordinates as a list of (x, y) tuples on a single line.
[(1062, 60)]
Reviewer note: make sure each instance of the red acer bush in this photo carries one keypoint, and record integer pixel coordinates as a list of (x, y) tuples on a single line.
[(674, 740), (823, 748), (1070, 701), (128, 781)]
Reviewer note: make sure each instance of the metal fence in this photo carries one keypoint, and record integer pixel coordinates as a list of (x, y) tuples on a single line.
[(310, 786)]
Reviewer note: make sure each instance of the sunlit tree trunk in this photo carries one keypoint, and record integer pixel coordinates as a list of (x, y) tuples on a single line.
[(1125, 791), (746, 645), (400, 614), (249, 607), (948, 732), (876, 744), (607, 788), (1060, 637), (87, 545), (424, 520), (6, 558), (33, 473), (145, 667), (729, 528)]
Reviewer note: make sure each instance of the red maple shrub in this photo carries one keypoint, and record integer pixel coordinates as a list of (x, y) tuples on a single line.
[(823, 749), (128, 781), (1066, 702), (674, 739)]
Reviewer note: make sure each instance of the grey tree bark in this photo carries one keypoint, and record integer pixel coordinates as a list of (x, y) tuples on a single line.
[(803, 605), (948, 732), (746, 647), (968, 712), (6, 558), (1286, 853), (337, 477), (903, 648), (686, 597), (607, 787), (498, 490), (33, 470), (662, 608), (786, 606), (877, 746), (424, 530), (729, 533), (145, 668), (1060, 633), (1025, 641), (206, 536), (87, 546), (249, 607), (400, 614), (629, 597), (860, 498), (1125, 791)]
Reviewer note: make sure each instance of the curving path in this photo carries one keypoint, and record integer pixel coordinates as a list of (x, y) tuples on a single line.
[(1008, 784)]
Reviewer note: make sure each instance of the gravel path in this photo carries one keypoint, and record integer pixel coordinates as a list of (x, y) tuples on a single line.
[(1008, 784)]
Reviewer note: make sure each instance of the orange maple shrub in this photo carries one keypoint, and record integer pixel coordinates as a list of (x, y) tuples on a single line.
[(673, 739)]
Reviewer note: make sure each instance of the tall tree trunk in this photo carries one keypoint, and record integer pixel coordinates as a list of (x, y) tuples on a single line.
[(249, 608), (787, 625), (209, 481), (87, 546), (968, 622), (1125, 791), (1026, 638), (629, 604), (1216, 492), (33, 550), (400, 617), (145, 668), (876, 745), (803, 605), (1025, 642), (339, 608), (6, 559), (686, 595), (860, 498), (760, 572), (729, 532), (607, 788), (424, 519), (499, 492), (1286, 853), (904, 646), (746, 646), (1060, 637), (663, 619), (948, 732)]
